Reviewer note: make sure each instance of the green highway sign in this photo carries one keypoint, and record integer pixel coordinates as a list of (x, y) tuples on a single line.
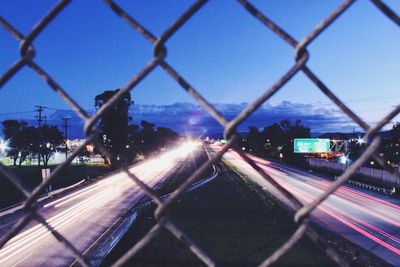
[(311, 145)]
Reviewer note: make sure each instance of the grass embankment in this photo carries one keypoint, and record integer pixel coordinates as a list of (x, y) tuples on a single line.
[(231, 219), (31, 177), (188, 168)]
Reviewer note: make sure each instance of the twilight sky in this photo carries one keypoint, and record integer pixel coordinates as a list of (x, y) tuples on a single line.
[(225, 53)]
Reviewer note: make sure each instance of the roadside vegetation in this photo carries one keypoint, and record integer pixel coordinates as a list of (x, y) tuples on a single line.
[(276, 142), (128, 142)]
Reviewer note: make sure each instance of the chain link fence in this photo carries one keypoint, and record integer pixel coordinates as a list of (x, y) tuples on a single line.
[(27, 52)]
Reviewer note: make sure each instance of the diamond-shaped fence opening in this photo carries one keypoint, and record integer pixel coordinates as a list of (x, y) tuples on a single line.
[(27, 52)]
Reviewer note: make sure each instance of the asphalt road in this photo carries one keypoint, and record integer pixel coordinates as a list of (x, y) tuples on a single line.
[(366, 218), (83, 215)]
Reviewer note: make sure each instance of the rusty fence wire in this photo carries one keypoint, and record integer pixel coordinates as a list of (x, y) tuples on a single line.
[(27, 53)]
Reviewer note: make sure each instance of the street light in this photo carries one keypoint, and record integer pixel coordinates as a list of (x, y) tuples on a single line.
[(343, 159), (3, 146), (360, 141), (90, 148)]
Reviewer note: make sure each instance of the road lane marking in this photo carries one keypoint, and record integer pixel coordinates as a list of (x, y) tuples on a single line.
[(24, 258), (43, 232), (60, 220), (323, 207)]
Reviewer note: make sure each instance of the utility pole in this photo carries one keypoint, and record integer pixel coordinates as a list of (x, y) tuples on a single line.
[(40, 110), (66, 136)]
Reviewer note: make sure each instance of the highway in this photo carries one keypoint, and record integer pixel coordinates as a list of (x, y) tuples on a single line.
[(366, 218), (83, 215)]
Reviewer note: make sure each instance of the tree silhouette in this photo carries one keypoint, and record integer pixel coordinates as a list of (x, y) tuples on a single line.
[(113, 124), (395, 134), (133, 147), (29, 142), (165, 137), (12, 132), (292, 131), (274, 138), (277, 139), (22, 140), (254, 140), (148, 137), (393, 148), (51, 138)]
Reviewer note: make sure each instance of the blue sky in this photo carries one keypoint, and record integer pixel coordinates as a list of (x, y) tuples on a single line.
[(226, 54)]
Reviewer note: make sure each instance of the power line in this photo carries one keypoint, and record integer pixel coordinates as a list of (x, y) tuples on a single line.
[(18, 112), (59, 109), (301, 106)]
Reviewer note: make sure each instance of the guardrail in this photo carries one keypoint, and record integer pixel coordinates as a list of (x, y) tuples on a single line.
[(366, 174), (19, 206), (386, 191)]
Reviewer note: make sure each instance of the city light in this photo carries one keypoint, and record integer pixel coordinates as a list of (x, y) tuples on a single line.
[(188, 147), (360, 141), (4, 146), (90, 148), (343, 159), (170, 157)]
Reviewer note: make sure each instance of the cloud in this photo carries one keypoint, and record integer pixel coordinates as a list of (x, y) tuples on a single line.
[(190, 118)]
